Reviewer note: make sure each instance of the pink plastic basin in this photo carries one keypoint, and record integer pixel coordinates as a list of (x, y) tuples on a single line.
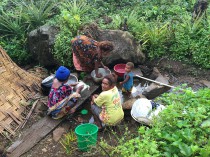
[(119, 69)]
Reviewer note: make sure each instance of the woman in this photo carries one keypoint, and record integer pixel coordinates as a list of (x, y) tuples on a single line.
[(106, 106), (88, 53), (61, 99)]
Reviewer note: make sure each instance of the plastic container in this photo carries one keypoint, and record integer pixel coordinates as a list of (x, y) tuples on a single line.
[(84, 112), (48, 81), (102, 71), (140, 111), (86, 136), (120, 69)]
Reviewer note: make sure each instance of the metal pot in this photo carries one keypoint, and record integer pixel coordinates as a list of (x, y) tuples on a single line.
[(47, 83)]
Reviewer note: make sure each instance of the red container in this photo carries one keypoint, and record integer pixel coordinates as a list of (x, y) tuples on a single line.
[(119, 69)]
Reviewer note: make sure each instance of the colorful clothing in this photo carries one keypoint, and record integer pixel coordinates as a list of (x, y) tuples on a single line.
[(85, 53), (110, 102), (129, 84), (127, 91), (56, 95)]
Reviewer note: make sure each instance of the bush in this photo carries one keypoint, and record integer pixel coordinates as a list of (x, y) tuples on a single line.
[(178, 131), (191, 42), (16, 50), (62, 48)]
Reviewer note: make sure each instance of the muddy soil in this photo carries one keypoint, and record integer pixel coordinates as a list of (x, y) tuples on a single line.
[(177, 72)]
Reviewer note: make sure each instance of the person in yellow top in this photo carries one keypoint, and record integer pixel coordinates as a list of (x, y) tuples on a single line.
[(106, 107)]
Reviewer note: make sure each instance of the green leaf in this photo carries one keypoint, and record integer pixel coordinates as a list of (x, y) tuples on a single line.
[(206, 123), (185, 149)]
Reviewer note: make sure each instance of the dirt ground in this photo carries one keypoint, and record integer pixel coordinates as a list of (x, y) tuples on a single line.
[(177, 72)]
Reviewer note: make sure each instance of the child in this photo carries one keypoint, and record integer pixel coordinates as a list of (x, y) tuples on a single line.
[(128, 79), (60, 91)]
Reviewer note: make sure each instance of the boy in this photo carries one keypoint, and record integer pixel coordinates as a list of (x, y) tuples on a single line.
[(128, 78)]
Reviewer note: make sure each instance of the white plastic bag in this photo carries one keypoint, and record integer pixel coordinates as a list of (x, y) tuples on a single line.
[(141, 108), (156, 111)]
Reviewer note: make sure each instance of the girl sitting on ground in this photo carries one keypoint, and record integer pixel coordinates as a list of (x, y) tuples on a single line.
[(60, 91), (106, 107)]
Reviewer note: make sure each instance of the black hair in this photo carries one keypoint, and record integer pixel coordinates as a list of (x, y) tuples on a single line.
[(111, 79)]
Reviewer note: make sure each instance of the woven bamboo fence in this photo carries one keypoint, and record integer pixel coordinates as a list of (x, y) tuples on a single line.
[(17, 86)]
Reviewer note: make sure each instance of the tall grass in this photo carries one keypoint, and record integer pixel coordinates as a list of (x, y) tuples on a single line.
[(12, 24), (36, 13)]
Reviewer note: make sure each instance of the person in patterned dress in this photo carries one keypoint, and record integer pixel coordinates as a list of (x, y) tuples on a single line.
[(88, 53), (59, 91)]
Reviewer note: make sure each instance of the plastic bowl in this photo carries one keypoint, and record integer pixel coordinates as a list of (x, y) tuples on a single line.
[(120, 69), (84, 112), (47, 82), (102, 71)]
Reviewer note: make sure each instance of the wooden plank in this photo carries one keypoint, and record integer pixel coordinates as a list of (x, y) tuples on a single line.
[(42, 128)]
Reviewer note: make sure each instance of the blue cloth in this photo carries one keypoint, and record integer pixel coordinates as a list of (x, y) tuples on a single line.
[(129, 84), (62, 73)]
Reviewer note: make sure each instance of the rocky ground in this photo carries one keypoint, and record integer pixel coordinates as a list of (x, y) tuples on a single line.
[(51, 146)]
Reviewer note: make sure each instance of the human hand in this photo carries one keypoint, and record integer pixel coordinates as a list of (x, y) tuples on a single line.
[(74, 84), (76, 95), (121, 83), (106, 68), (92, 102), (79, 89)]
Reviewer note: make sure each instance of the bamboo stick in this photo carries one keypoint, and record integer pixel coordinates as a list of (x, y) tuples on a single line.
[(29, 114), (160, 83)]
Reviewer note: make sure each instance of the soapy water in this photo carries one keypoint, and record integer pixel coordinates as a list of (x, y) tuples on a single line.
[(137, 89)]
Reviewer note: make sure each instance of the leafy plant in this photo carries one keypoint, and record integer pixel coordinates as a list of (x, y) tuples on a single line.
[(16, 50), (191, 41), (3, 4), (177, 131), (73, 22), (76, 7), (82, 75), (62, 48), (11, 24), (67, 141), (36, 13), (70, 20)]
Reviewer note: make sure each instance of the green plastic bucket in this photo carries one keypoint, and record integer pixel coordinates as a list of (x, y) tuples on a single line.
[(86, 136)]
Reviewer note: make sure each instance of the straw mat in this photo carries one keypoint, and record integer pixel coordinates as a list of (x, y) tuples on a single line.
[(16, 88)]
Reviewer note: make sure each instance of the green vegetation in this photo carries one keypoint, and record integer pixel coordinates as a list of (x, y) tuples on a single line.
[(67, 142), (17, 19), (182, 129), (164, 28)]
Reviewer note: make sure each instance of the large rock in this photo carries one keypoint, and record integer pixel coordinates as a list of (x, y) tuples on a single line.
[(126, 49), (41, 42), (154, 90)]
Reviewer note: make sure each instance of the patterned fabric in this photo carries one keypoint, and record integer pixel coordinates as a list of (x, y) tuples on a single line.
[(129, 84), (111, 108), (56, 95), (84, 53)]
